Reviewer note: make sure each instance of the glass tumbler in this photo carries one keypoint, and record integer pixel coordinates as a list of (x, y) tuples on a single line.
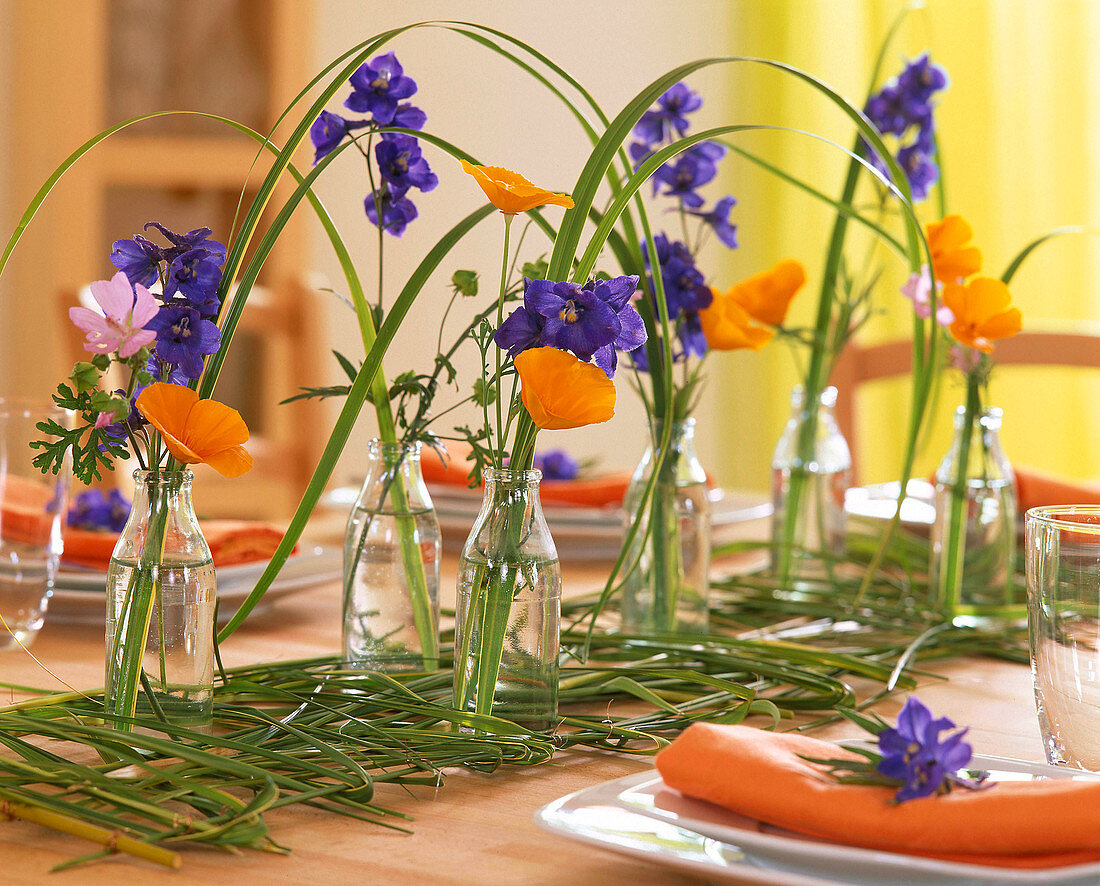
[(1062, 544), (32, 512)]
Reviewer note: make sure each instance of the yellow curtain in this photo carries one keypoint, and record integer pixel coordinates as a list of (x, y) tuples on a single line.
[(1015, 128)]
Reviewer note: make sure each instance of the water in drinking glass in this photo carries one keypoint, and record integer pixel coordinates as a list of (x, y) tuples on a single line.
[(32, 508)]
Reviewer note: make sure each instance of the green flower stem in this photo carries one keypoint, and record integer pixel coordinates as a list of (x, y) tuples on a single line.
[(500, 320), (132, 625), (953, 552)]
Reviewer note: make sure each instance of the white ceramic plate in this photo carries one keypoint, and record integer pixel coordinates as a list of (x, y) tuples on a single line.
[(78, 593), (638, 816)]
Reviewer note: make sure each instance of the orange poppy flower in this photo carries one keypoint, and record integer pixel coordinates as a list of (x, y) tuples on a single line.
[(727, 326), (197, 431), (562, 392), (952, 259), (510, 192), (982, 312), (764, 297)]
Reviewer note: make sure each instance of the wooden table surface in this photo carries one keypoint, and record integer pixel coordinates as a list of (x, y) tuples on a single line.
[(476, 828)]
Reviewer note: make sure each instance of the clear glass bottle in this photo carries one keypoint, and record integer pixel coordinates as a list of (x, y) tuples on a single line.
[(392, 550), (666, 584), (509, 607), (978, 585), (811, 472), (161, 592)]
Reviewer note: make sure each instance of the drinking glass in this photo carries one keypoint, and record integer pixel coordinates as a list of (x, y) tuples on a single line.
[(1063, 587), (32, 511)]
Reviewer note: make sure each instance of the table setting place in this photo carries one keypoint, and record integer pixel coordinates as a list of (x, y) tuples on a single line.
[(240, 644)]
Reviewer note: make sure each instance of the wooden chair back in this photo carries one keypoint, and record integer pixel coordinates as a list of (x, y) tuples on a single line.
[(861, 364)]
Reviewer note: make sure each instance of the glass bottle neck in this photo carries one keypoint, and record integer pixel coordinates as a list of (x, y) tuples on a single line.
[(171, 487), (988, 418), (826, 401)]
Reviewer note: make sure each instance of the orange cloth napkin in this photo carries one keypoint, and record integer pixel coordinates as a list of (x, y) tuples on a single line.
[(760, 774), (596, 492), (1036, 489), (231, 542)]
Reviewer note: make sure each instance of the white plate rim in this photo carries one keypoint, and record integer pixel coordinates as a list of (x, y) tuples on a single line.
[(776, 845)]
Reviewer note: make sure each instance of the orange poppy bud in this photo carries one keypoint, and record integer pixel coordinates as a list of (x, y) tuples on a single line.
[(510, 192), (982, 312), (561, 391), (197, 431), (952, 259)]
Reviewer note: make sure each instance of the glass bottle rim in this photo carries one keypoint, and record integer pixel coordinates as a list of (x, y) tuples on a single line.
[(990, 417), (827, 398), (145, 477), (377, 446), (512, 476)]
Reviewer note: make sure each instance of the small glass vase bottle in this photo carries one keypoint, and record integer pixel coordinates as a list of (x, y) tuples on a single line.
[(974, 536), (392, 550), (161, 594), (811, 472), (666, 584), (508, 619)]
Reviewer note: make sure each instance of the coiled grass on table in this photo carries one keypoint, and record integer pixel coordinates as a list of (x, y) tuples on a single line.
[(313, 732)]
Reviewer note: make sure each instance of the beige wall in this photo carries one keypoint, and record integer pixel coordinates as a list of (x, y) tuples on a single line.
[(499, 114)]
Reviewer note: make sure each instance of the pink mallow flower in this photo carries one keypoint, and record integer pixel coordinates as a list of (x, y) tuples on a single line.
[(126, 310), (918, 289)]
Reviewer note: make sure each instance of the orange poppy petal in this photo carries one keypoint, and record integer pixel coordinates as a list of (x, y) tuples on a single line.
[(559, 391), (180, 451), (230, 462), (958, 264), (950, 233), (767, 295), (986, 297), (167, 406), (510, 192), (727, 326), (1003, 325), (213, 426)]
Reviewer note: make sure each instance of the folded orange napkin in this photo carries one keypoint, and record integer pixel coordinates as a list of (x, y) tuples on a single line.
[(1036, 489), (762, 775), (596, 492), (231, 542)]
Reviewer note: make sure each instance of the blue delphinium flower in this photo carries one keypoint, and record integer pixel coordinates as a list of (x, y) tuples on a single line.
[(718, 218), (591, 321), (913, 752), (685, 287), (93, 510), (688, 172), (556, 464), (328, 130), (195, 276), (657, 124), (409, 116), (401, 163), (181, 243), (397, 209), (184, 336), (904, 108), (690, 333), (139, 259), (378, 86)]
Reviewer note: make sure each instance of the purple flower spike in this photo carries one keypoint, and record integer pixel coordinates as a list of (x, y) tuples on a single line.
[(377, 87), (577, 320), (183, 337), (401, 163), (397, 210), (328, 130), (522, 329), (409, 116), (195, 276), (919, 169), (93, 510), (719, 220), (690, 171), (914, 753), (139, 259), (657, 124)]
